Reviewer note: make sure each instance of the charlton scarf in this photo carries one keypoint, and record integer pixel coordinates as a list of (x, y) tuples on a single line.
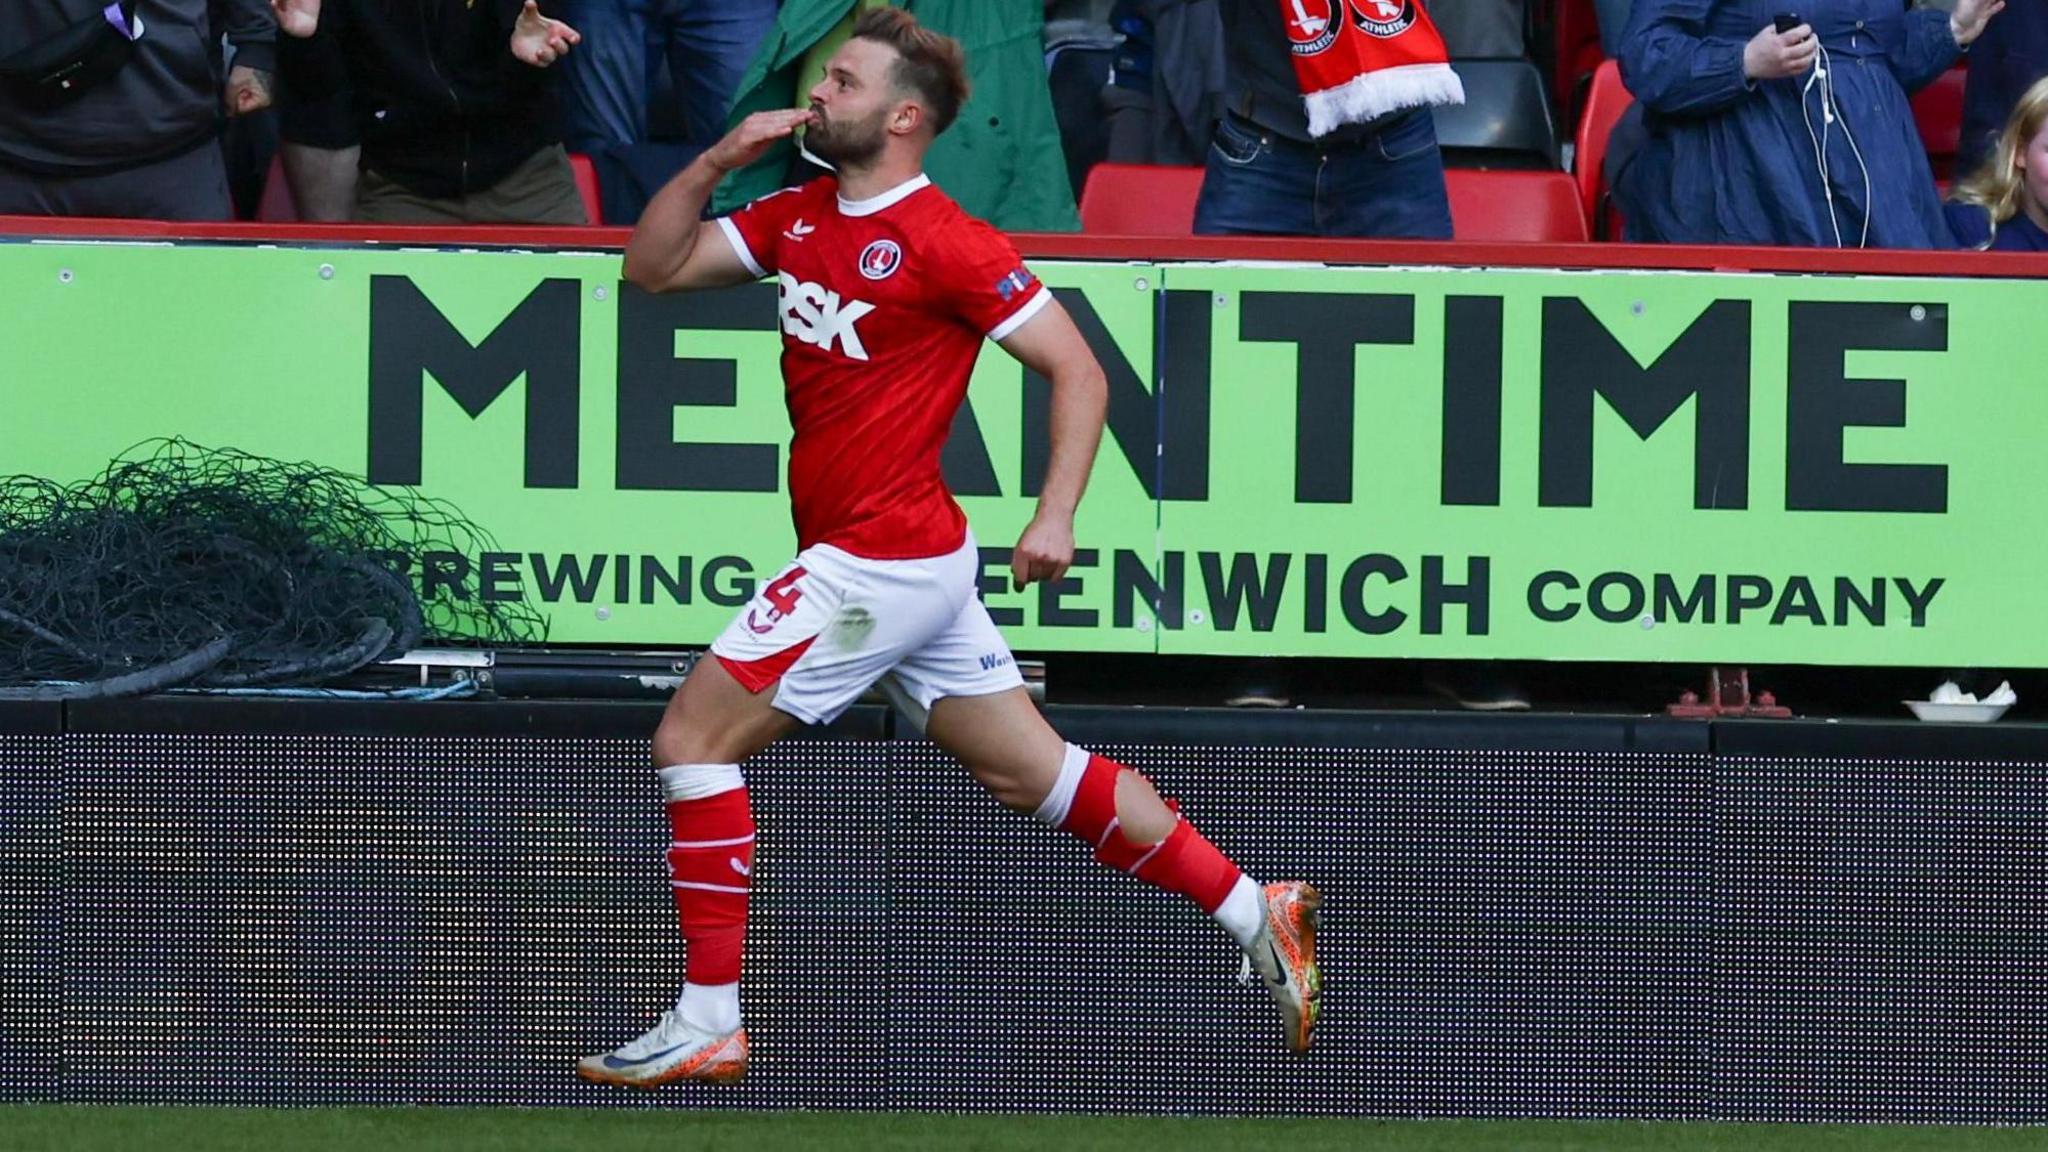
[(1360, 59)]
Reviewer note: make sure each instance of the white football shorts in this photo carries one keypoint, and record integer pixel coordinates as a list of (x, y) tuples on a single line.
[(831, 624)]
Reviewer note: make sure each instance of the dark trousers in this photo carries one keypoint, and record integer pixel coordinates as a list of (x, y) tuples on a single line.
[(192, 186), (1389, 185), (540, 191)]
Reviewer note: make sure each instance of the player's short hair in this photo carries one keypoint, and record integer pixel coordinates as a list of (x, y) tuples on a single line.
[(929, 63)]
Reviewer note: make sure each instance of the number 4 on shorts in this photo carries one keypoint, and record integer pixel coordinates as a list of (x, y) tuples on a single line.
[(782, 593)]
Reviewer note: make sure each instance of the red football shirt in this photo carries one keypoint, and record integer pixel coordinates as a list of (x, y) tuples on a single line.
[(884, 303)]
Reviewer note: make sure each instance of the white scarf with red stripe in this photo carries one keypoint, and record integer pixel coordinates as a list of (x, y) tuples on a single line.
[(1360, 59)]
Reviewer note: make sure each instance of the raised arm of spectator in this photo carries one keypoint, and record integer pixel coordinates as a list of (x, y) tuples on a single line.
[(1927, 49), (1934, 39), (1670, 63), (536, 40), (309, 49)]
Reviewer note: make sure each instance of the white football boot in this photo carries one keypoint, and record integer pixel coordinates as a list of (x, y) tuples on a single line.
[(669, 1052)]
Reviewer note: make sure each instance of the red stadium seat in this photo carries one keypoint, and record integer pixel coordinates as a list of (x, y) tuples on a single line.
[(1140, 200), (1938, 112), (1503, 205), (277, 206), (1494, 205), (1605, 102), (586, 187)]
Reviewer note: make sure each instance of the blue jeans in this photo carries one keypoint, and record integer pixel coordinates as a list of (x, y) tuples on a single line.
[(606, 78), (1388, 186)]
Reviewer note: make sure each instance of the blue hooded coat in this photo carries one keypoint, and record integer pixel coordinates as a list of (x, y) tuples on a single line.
[(1731, 162)]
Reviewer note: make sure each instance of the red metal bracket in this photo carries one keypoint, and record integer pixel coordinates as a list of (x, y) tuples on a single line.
[(1728, 696)]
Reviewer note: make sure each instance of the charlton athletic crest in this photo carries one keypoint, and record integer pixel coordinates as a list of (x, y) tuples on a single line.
[(1312, 28), (878, 260), (1385, 19)]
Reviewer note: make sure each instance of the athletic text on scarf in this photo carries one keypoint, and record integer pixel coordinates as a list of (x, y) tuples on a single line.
[(1356, 60)]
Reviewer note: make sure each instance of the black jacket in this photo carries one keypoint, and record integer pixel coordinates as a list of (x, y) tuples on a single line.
[(441, 105), (165, 100), (2007, 59), (1259, 71)]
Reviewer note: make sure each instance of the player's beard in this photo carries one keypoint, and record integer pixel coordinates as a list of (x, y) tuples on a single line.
[(843, 143)]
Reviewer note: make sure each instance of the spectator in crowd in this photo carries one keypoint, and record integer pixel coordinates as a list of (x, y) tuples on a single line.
[(1317, 139), (107, 111), (1000, 160), (1797, 132), (456, 122), (2004, 63), (2003, 205), (605, 84), (1165, 91), (1326, 128), (321, 151)]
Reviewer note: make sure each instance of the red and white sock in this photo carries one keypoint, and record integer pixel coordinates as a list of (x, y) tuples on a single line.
[(1082, 803), (710, 867)]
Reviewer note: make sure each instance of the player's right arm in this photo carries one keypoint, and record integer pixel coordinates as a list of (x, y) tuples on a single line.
[(671, 249)]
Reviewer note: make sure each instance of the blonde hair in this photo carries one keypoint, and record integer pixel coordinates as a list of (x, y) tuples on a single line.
[(2000, 186)]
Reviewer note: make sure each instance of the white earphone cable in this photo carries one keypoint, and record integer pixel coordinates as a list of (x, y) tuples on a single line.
[(1831, 112)]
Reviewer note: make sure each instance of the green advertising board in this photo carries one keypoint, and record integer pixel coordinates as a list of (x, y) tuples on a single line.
[(1301, 460)]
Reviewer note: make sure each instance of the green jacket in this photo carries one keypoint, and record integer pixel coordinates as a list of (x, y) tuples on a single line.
[(1000, 160)]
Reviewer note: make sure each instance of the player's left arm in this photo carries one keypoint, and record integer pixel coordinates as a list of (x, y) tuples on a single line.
[(1050, 345)]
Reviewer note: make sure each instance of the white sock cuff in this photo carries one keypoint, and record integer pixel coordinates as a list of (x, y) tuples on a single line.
[(1243, 911), (699, 781), (712, 1008), (1054, 810)]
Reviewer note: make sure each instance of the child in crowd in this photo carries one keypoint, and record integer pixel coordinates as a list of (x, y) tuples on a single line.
[(2003, 205)]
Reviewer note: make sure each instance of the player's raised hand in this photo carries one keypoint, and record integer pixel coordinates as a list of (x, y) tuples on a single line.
[(296, 17), (540, 40), (751, 138), (1043, 552)]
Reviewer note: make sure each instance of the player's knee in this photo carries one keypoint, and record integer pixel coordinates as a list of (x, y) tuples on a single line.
[(1017, 791), (672, 745), (678, 741)]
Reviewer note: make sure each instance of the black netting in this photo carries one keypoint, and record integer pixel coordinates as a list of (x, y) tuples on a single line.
[(182, 565)]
